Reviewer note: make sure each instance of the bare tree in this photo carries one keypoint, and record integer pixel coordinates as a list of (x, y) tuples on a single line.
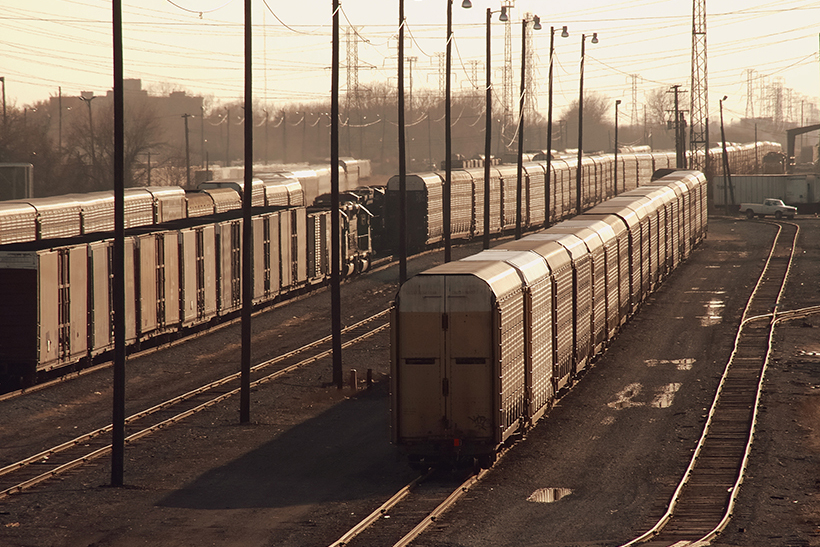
[(596, 122)]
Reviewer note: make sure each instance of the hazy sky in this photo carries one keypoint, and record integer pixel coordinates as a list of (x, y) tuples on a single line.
[(197, 46)]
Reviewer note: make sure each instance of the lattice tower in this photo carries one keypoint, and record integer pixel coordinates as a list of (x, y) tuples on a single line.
[(634, 116), (530, 82), (410, 61), (508, 95), (750, 92), (352, 68), (442, 71), (777, 101), (699, 111)]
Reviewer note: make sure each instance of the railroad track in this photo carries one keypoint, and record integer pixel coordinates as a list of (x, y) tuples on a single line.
[(703, 502), (410, 511), (35, 469)]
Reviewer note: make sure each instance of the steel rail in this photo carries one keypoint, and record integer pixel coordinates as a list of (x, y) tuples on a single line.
[(381, 510), (746, 320), (442, 507), (17, 466)]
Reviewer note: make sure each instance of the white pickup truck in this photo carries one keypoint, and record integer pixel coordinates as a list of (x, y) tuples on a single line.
[(770, 206)]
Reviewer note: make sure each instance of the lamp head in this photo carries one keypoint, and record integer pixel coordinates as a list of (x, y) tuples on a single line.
[(725, 97), (617, 102), (594, 37), (466, 4), (503, 17), (536, 22), (564, 33)]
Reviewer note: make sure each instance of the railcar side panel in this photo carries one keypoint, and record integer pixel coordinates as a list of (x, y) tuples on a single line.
[(100, 287)]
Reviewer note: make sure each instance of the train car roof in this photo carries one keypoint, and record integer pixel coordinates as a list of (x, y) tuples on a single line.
[(501, 278), (530, 265), (553, 252), (591, 238), (573, 243)]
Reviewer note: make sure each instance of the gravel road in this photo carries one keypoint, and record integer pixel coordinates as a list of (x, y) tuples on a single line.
[(316, 460)]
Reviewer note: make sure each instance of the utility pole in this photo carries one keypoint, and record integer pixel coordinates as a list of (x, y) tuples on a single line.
[(3, 81), (679, 125), (187, 153), (227, 137), (87, 97)]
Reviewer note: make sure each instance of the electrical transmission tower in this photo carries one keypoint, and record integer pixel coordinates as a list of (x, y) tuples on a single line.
[(699, 110), (509, 87), (410, 61), (530, 82), (442, 71), (750, 91), (634, 117), (475, 83), (352, 68)]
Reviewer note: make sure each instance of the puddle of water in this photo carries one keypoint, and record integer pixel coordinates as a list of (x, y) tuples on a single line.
[(680, 364), (714, 313), (549, 495), (623, 399), (665, 396)]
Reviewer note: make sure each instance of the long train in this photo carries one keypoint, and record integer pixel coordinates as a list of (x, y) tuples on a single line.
[(424, 191), (481, 346), (184, 249), (74, 215), (56, 295)]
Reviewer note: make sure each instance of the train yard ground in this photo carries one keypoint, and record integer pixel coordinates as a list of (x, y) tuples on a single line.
[(316, 460)]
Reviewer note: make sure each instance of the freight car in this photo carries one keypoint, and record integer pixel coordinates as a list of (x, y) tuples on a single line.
[(481, 346), (542, 203), (56, 310)]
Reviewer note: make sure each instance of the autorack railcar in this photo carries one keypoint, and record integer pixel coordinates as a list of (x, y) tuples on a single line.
[(470, 338)]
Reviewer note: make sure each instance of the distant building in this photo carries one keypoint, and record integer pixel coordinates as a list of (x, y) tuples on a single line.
[(16, 181), (168, 109)]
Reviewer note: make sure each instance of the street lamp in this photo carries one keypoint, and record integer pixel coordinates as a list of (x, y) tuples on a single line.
[(489, 124), (87, 97), (617, 103), (548, 181), (520, 184), (448, 145), (581, 126)]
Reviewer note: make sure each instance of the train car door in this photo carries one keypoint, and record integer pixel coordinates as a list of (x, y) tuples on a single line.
[(100, 316), (452, 385), (78, 297), (467, 386), (419, 395)]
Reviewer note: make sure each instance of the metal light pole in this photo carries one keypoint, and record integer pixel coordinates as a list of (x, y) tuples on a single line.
[(548, 179), (488, 134), (520, 168), (581, 126), (118, 267), (87, 97), (448, 144), (402, 156), (617, 103), (335, 221)]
